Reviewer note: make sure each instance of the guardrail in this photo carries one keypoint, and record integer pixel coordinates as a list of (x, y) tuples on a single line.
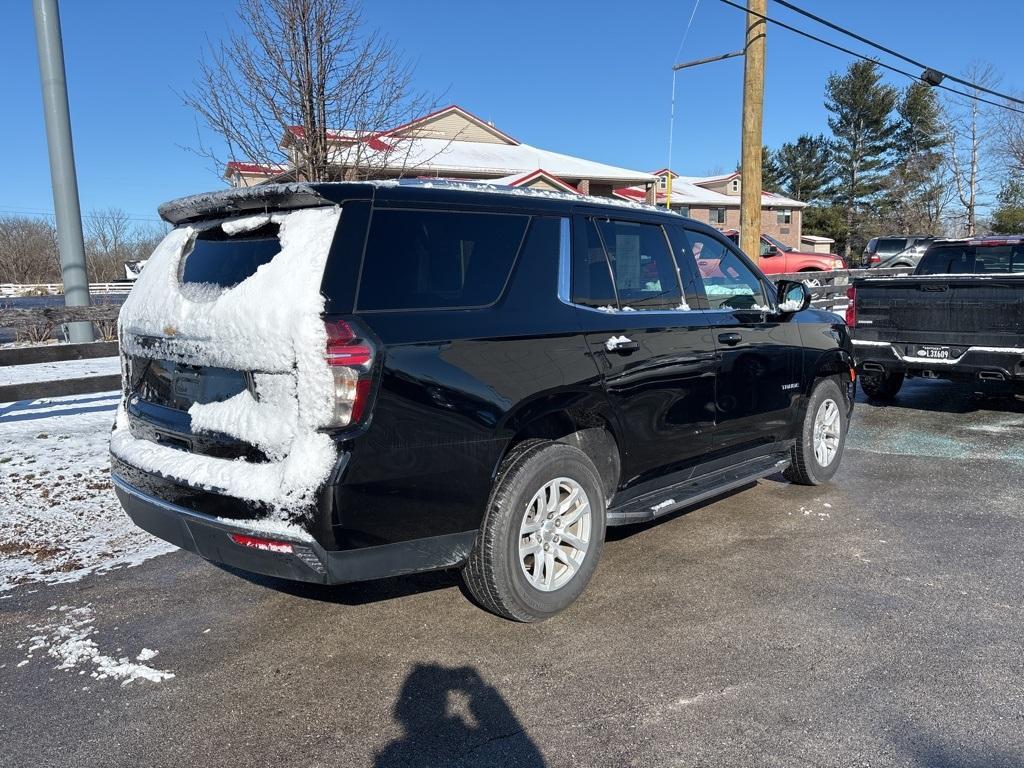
[(52, 353), (39, 323), (830, 289), (19, 290)]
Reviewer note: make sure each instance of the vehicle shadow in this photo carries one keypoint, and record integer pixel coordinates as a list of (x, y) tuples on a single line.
[(932, 751), (354, 593), (452, 716), (946, 397)]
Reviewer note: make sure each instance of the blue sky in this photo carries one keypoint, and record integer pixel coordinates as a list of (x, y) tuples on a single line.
[(587, 78)]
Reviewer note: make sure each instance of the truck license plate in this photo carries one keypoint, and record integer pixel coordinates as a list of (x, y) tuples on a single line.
[(933, 353)]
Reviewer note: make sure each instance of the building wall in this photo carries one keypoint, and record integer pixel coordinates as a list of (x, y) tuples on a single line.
[(457, 128), (786, 233)]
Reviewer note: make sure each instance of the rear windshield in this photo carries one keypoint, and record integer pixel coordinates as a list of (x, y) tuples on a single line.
[(890, 245), (972, 259), (226, 260), (437, 259)]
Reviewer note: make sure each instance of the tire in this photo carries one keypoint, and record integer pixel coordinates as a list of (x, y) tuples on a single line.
[(806, 466), (496, 573), (882, 386), (811, 282)]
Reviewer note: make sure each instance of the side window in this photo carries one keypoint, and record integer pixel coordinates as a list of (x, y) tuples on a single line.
[(642, 265), (437, 259), (591, 275), (728, 282)]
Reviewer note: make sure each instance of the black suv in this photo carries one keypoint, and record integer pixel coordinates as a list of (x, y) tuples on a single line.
[(337, 382)]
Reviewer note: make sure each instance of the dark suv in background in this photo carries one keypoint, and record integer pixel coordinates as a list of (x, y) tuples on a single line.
[(441, 377), (882, 251)]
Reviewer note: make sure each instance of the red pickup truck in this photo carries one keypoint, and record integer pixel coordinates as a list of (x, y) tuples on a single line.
[(778, 258)]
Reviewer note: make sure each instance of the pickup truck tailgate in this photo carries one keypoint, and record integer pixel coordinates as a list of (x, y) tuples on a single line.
[(965, 310)]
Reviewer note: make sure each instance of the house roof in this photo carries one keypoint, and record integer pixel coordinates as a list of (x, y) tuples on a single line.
[(443, 157), (687, 193), (524, 179), (255, 169)]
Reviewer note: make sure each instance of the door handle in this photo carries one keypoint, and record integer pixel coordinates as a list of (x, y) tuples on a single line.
[(730, 339), (622, 345)]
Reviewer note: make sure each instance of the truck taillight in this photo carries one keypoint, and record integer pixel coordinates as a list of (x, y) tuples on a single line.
[(351, 360), (851, 308)]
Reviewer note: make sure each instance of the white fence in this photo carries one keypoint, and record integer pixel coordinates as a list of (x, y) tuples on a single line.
[(14, 290)]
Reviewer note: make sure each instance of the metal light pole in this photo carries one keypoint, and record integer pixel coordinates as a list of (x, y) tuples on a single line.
[(672, 112), (63, 178)]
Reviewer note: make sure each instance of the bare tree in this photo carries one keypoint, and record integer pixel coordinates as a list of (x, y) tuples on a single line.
[(970, 130), (1009, 139), (308, 71), (28, 250)]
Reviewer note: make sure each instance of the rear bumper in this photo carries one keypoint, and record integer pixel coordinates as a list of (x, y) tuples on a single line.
[(978, 362), (210, 537)]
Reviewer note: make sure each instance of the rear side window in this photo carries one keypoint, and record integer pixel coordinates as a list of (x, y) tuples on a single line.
[(437, 259), (970, 259), (591, 276), (642, 265), (226, 260), (890, 245)]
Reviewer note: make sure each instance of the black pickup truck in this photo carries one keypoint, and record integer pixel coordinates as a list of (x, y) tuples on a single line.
[(959, 316)]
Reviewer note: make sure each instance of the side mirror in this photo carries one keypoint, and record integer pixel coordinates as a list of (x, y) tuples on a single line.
[(771, 250), (793, 296)]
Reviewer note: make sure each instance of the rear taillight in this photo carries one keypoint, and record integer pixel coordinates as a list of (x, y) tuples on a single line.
[(267, 545), (874, 259), (350, 358), (851, 308)]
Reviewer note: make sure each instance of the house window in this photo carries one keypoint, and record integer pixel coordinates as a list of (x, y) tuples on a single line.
[(716, 215), (785, 215), (683, 210), (735, 185), (662, 182)]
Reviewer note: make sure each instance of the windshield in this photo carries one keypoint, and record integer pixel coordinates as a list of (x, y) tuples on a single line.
[(777, 244)]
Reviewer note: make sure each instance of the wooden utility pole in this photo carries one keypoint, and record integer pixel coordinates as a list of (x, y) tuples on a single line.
[(753, 112)]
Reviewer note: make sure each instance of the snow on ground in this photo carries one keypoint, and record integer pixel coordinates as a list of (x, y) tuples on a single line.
[(69, 638), (71, 369), (59, 518)]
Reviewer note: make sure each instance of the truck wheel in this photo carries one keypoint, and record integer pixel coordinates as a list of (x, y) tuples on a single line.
[(818, 450), (882, 386), (542, 533)]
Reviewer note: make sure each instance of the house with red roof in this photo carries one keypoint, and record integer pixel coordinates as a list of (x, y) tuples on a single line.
[(450, 143), (715, 200)]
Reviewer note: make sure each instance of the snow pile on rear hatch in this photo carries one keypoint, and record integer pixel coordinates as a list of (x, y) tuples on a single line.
[(269, 324)]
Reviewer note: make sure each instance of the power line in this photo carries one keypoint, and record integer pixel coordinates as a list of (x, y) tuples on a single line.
[(898, 55), (50, 214), (861, 56)]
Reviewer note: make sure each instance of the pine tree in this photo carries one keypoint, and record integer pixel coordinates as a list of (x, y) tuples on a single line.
[(771, 176), (863, 131), (804, 167), (916, 189), (1008, 217)]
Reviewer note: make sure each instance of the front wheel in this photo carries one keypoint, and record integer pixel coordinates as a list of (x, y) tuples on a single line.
[(541, 536), (819, 448)]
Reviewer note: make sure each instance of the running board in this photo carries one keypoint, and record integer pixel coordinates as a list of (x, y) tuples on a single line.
[(696, 490)]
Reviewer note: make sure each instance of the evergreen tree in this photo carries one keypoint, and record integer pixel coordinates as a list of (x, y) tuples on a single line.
[(917, 187), (862, 144), (804, 167), (771, 177), (1008, 217)]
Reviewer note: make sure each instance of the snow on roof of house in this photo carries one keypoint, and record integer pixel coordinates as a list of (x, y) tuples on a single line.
[(254, 168), (422, 156), (687, 192), (522, 179)]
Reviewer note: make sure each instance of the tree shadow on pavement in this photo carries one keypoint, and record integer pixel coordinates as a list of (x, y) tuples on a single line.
[(452, 716), (932, 751)]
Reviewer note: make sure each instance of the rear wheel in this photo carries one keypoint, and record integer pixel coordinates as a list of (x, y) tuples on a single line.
[(541, 536), (819, 449), (882, 386)]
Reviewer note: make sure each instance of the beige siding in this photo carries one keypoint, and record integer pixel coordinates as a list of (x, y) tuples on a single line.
[(543, 184), (454, 126)]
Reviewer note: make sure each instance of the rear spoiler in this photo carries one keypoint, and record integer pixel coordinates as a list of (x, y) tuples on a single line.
[(257, 199)]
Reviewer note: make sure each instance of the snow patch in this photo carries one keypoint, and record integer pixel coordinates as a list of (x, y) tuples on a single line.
[(70, 641), (59, 516), (245, 224)]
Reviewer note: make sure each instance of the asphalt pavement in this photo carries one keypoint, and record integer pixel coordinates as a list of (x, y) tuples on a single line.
[(876, 621)]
